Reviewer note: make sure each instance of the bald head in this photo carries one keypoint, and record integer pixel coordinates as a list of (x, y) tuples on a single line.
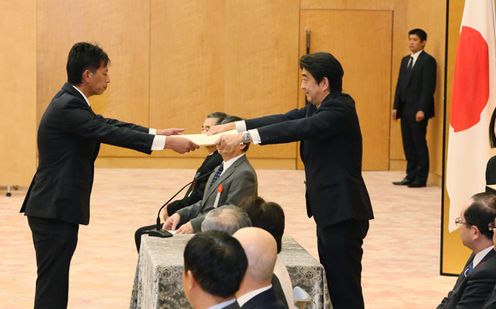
[(261, 250)]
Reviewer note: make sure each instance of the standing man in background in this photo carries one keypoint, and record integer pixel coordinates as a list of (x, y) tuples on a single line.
[(331, 149), (414, 104), (69, 138)]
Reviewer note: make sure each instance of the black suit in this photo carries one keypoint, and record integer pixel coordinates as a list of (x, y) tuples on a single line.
[(473, 290), (415, 92), (491, 300), (58, 198), (336, 196), (265, 300)]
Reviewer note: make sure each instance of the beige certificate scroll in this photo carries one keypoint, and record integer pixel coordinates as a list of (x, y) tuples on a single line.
[(206, 140)]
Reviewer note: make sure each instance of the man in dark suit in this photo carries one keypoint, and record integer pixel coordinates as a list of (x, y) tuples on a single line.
[(331, 149), (256, 290), (234, 180), (197, 187), (491, 300), (214, 265), (414, 104), (477, 280), (69, 138)]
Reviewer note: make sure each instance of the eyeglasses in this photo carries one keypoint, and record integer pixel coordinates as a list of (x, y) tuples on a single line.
[(492, 226), (459, 221)]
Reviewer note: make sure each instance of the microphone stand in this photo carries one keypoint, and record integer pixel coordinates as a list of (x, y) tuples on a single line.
[(158, 232)]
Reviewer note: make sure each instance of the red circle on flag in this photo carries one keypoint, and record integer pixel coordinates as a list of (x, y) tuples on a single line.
[(471, 81)]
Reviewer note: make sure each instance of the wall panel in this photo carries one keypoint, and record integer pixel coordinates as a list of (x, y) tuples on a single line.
[(17, 92)]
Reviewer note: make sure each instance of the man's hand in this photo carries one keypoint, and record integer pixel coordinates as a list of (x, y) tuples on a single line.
[(228, 141), (395, 112), (221, 128), (419, 116), (186, 228), (170, 131), (180, 144), (171, 222)]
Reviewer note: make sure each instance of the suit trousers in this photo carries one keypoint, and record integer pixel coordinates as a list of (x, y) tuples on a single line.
[(340, 251), (415, 147), (54, 242)]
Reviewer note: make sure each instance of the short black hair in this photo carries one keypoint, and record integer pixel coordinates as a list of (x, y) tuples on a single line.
[(265, 215), (322, 65), (232, 118), (418, 32), (84, 56), (481, 212), (217, 115), (217, 262)]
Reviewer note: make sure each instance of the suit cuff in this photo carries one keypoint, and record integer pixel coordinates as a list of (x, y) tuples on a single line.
[(255, 136)]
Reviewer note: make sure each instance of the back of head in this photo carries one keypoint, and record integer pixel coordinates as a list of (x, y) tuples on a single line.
[(322, 65), (418, 32), (491, 175), (266, 215), (228, 218), (220, 116), (217, 262), (481, 212), (260, 249), (84, 56)]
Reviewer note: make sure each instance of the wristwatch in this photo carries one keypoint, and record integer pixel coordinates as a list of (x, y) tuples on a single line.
[(246, 138)]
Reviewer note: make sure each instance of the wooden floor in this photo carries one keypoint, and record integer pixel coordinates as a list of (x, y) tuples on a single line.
[(400, 265)]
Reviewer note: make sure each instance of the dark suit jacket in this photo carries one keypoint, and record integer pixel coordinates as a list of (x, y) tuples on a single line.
[(491, 300), (265, 300), (415, 90), (238, 182), (197, 188), (69, 138), (473, 290), (331, 149)]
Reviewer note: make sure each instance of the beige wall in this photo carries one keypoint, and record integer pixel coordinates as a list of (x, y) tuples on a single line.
[(17, 92), (173, 62)]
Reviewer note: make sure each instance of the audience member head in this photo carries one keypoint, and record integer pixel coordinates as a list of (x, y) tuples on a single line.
[(261, 251), (234, 151), (84, 56), (212, 120), (228, 218), (324, 65), (474, 221), (265, 215), (214, 265)]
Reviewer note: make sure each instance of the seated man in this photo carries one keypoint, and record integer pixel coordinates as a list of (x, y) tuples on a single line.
[(479, 276), (270, 217), (491, 301), (234, 180), (256, 289), (228, 218), (197, 187), (214, 265)]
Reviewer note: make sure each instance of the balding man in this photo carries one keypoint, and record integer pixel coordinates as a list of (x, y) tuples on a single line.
[(256, 290)]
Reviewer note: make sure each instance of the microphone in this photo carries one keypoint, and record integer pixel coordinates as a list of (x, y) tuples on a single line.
[(158, 232)]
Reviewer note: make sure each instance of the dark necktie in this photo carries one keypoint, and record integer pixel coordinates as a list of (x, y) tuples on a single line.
[(410, 64), (217, 174)]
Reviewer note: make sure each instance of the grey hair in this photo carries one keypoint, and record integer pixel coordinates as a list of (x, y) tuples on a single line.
[(228, 218)]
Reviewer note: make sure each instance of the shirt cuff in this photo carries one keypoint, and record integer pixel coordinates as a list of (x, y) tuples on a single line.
[(158, 142), (152, 131), (255, 136), (240, 126)]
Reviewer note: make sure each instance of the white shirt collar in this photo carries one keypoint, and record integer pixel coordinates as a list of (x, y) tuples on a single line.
[(230, 162), (243, 299), (479, 256), (416, 55), (223, 304), (85, 98)]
